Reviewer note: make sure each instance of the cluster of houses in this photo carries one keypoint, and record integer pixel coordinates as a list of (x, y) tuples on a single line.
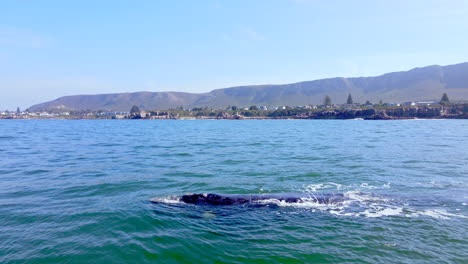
[(113, 115), (25, 115), (150, 115), (411, 103), (169, 114)]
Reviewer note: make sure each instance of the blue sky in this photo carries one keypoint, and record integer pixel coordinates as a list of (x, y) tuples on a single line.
[(50, 49)]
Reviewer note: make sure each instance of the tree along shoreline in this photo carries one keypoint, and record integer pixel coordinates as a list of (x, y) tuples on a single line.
[(452, 111)]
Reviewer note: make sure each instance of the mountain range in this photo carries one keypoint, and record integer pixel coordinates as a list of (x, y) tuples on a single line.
[(418, 84)]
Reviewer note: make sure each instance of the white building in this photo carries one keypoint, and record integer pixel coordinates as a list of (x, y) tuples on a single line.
[(426, 103)]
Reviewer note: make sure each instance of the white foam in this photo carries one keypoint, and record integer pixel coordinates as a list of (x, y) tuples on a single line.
[(383, 212), (311, 188), (305, 203), (365, 185), (167, 200), (364, 197), (435, 213), (363, 205), (320, 186), (390, 244)]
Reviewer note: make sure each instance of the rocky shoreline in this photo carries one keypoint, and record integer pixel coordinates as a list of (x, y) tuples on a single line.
[(415, 112), (396, 113)]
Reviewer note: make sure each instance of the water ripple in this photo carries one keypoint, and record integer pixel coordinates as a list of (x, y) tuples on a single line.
[(78, 191)]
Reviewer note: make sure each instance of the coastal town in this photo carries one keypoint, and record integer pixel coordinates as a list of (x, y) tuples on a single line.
[(350, 110)]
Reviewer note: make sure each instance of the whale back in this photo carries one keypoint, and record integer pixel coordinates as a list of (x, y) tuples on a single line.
[(230, 199)]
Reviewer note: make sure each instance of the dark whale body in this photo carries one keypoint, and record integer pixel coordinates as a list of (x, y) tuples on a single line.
[(232, 199)]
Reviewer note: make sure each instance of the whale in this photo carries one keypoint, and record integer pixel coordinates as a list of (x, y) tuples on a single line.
[(262, 198)]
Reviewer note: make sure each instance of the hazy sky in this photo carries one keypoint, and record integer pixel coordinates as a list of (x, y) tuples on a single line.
[(50, 49)]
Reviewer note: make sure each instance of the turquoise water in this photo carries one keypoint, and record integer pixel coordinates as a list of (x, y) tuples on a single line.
[(79, 191)]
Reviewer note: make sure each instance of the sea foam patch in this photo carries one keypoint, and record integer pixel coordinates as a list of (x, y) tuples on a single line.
[(173, 199)]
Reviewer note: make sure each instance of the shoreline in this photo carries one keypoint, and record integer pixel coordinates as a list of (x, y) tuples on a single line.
[(454, 111), (252, 118)]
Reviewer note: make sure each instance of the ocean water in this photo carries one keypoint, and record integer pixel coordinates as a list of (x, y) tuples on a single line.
[(80, 191)]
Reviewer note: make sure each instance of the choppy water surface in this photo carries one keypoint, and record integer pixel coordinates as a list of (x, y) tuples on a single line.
[(79, 191)]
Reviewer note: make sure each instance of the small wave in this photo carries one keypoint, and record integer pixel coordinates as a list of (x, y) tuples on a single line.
[(321, 186), (38, 171), (7, 137), (310, 188)]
